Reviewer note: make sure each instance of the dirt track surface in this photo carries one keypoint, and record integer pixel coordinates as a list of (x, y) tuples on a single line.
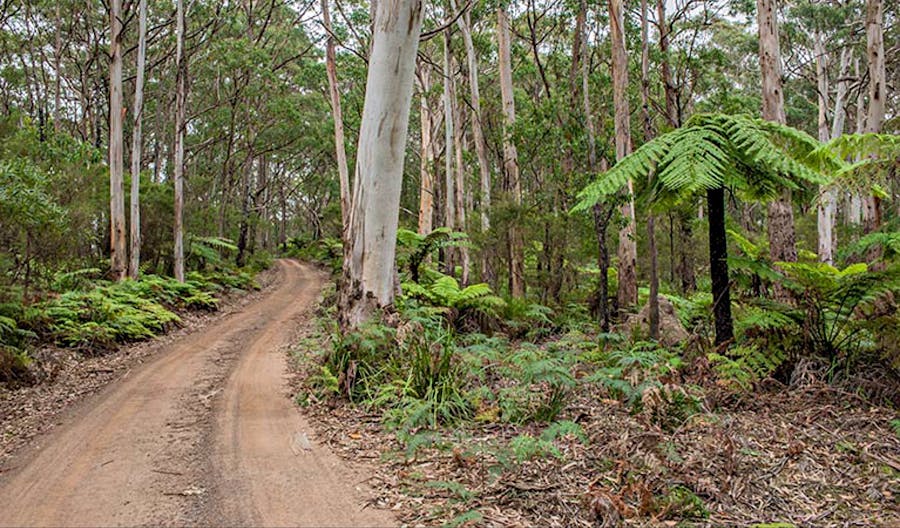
[(204, 434)]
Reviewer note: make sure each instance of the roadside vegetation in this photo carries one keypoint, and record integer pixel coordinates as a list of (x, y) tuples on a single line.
[(479, 410)]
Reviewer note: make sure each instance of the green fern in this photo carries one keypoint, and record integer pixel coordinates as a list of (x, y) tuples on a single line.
[(755, 157)]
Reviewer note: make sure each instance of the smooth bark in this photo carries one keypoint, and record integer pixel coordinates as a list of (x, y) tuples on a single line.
[(510, 156), (118, 257), (180, 83), (426, 155), (877, 93), (337, 117), (136, 146), (368, 281)]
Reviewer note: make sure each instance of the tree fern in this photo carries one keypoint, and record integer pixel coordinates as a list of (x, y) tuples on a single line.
[(750, 155)]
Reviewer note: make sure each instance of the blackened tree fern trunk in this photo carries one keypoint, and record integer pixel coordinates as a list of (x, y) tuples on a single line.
[(718, 265)]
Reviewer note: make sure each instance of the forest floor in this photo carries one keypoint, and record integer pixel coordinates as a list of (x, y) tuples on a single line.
[(196, 428), (807, 456)]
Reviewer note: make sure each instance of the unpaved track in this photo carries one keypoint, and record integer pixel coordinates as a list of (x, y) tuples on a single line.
[(204, 434)]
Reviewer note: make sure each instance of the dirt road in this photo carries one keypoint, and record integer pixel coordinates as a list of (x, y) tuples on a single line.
[(204, 434)]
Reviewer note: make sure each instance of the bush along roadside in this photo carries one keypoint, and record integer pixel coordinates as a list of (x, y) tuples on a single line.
[(95, 316), (570, 426)]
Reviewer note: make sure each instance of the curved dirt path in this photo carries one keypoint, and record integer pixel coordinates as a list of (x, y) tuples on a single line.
[(202, 434)]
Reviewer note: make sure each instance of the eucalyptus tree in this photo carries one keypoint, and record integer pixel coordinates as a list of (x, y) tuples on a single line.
[(714, 154), (368, 276), (118, 252)]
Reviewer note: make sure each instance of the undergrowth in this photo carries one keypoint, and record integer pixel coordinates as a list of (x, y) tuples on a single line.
[(95, 316)]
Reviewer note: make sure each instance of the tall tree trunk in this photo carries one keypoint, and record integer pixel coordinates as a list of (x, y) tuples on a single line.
[(118, 257), (839, 115), (855, 207), (426, 168), (781, 212), (460, 177), (877, 93), (653, 302), (627, 251), (449, 186), (484, 170), (246, 191), (337, 116), (718, 266), (827, 198), (180, 83), (510, 156), (262, 204), (57, 52), (136, 147), (673, 115), (368, 282)]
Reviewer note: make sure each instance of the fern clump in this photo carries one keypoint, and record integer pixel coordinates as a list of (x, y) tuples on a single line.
[(457, 304)]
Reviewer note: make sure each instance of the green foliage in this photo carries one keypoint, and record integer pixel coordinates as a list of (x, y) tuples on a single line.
[(209, 253), (326, 251), (413, 248), (411, 373), (838, 310), (747, 364), (887, 242), (526, 447), (454, 302), (682, 503), (639, 375), (755, 157)]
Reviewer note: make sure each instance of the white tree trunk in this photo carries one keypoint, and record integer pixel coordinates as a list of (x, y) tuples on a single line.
[(337, 116), (877, 95), (449, 216), (855, 206), (827, 199), (368, 283), (179, 142), (510, 155), (138, 113), (465, 28), (118, 256)]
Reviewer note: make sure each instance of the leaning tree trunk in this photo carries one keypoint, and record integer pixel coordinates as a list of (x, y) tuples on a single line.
[(135, 262), (718, 266), (179, 142), (337, 117), (368, 275), (118, 258), (781, 212), (510, 157), (627, 252)]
